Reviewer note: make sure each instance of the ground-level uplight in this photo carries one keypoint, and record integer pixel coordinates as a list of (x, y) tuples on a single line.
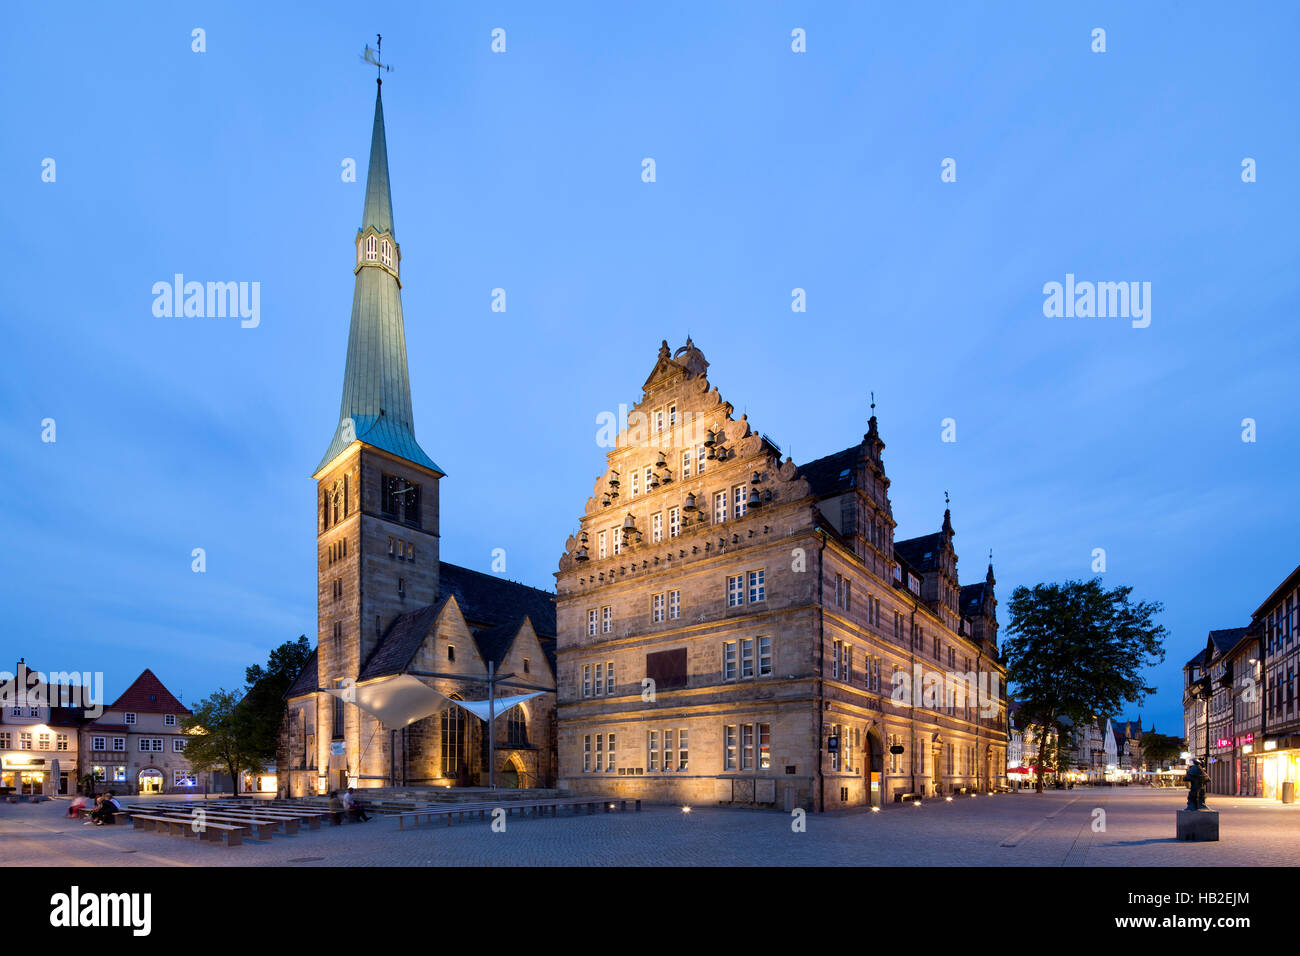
[(686, 809)]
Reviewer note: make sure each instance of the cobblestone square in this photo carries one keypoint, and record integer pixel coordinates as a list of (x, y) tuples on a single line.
[(1019, 829)]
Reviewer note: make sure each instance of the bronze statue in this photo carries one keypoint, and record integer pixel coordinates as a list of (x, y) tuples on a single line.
[(1195, 778)]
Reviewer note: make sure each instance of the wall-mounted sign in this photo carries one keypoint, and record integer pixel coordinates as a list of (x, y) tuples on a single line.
[(896, 749), (23, 763), (833, 743)]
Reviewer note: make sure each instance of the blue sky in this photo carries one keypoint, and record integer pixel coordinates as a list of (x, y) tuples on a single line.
[(521, 170)]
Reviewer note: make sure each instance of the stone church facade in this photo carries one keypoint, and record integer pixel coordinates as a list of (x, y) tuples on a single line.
[(735, 628), (387, 605)]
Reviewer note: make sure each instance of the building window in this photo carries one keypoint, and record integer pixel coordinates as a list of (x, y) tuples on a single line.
[(586, 753), (848, 595), (738, 499), (652, 750), (610, 761), (835, 659), (729, 660), (746, 746), (657, 527), (682, 749), (672, 416), (386, 253), (668, 751), (699, 459), (6, 740), (453, 740), (586, 680), (96, 743), (636, 483), (24, 740), (526, 663), (839, 742), (618, 540), (735, 590), (674, 522), (719, 507), (656, 608), (609, 677), (674, 605), (764, 746), (178, 745), (451, 652), (591, 622), (44, 740), (372, 248), (764, 656), (607, 619), (170, 720), (686, 463), (600, 753), (757, 588), (128, 718), (729, 747), (747, 657), (602, 549)]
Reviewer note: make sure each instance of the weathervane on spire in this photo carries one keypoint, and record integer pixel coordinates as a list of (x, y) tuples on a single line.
[(945, 499), (873, 403), (372, 56)]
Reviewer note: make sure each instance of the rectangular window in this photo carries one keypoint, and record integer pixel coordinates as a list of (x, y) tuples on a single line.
[(848, 595), (657, 527), (610, 762), (729, 660), (600, 753), (674, 605), (699, 459), (178, 745), (649, 478), (591, 622), (764, 746), (609, 677), (746, 746), (602, 544), (674, 522), (586, 680), (686, 463), (656, 608), (757, 587), (652, 751), (764, 656), (738, 498), (25, 740), (729, 747), (848, 663), (586, 753), (96, 743), (835, 659), (128, 718), (44, 741), (61, 741), (681, 749), (119, 743), (170, 720), (839, 741), (617, 534), (672, 416), (735, 590), (6, 740), (668, 751), (719, 507), (607, 619), (747, 657), (636, 481)]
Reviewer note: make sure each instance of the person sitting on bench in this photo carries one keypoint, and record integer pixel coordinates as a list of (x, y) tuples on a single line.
[(356, 812)]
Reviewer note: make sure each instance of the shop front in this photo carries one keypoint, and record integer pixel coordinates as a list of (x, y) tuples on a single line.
[(26, 776), (1279, 768)]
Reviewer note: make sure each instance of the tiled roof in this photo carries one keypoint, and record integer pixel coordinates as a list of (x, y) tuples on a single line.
[(306, 681), (487, 600), (147, 695), (972, 599), (921, 554), (833, 474), (98, 727), (1197, 658), (403, 639), (1225, 640)]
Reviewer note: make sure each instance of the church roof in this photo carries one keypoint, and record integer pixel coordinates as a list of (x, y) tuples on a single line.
[(147, 695), (306, 681), (972, 599), (376, 405), (1225, 640), (494, 610)]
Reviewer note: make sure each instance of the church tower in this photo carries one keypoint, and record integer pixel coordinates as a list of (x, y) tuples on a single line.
[(377, 490)]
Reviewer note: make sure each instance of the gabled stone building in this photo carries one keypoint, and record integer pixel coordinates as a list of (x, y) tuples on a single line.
[(736, 628), (387, 605)]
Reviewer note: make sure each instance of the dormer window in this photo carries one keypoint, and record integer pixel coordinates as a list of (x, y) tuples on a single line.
[(372, 248), (386, 253)]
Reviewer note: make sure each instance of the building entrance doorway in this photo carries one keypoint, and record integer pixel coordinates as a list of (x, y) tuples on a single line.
[(875, 767), (151, 781)]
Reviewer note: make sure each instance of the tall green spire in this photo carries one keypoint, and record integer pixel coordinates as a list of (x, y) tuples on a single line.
[(376, 407)]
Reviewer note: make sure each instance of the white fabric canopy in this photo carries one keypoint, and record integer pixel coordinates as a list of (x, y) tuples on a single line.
[(401, 700)]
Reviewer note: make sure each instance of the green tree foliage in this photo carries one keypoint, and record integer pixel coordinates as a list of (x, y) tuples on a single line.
[(1159, 749), (264, 699), (218, 736), (1077, 650)]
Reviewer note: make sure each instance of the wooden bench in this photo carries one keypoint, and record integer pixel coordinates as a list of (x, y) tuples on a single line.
[(212, 832), (211, 817), (538, 808)]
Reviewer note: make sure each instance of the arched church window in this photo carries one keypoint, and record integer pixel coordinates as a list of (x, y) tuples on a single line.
[(386, 253), (517, 726), (372, 247), (453, 739)]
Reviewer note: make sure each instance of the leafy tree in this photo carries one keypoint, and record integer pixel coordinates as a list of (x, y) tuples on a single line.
[(218, 736), (264, 701), (1160, 748), (1076, 650)]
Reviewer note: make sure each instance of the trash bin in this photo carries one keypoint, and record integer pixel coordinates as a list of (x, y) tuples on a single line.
[(1288, 791)]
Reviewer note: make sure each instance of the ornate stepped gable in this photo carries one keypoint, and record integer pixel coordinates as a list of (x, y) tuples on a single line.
[(679, 413)]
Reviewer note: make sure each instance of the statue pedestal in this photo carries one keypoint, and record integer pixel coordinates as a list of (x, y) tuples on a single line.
[(1200, 826)]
